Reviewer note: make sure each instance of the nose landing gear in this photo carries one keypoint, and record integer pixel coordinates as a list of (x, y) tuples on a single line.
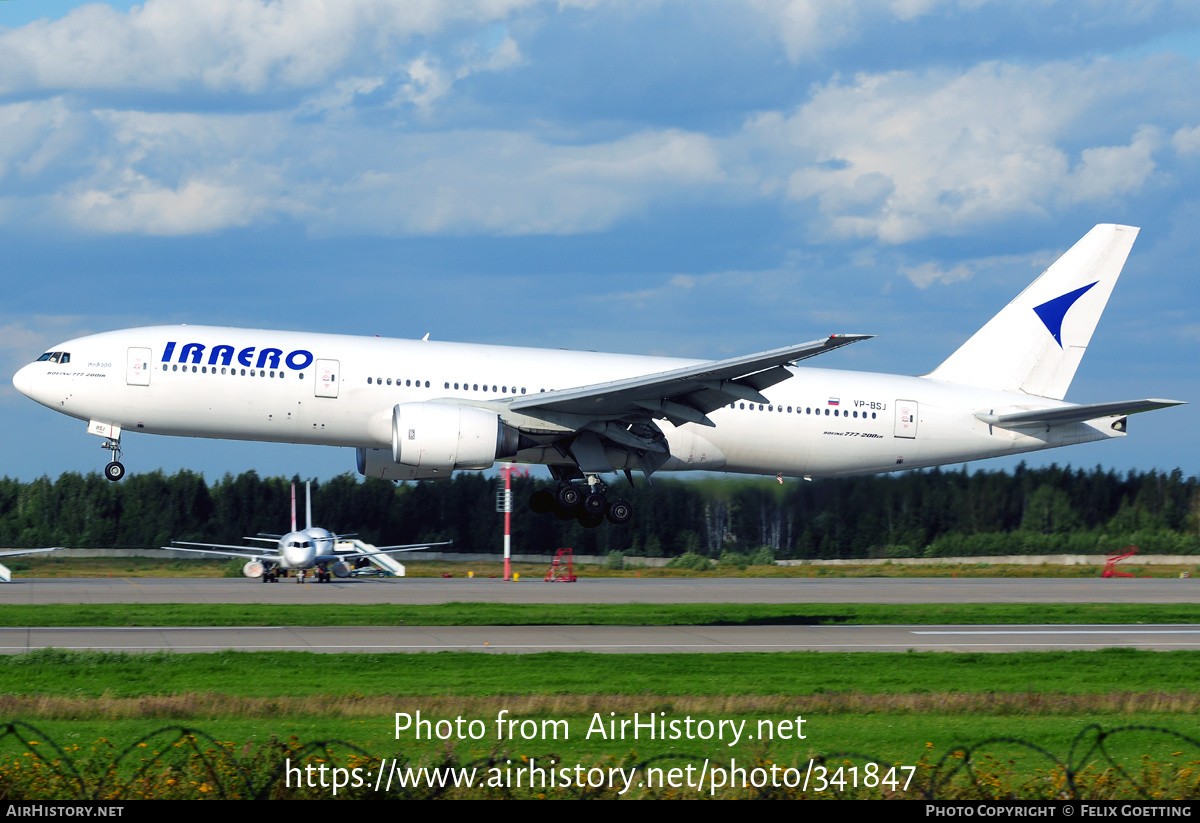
[(115, 469)]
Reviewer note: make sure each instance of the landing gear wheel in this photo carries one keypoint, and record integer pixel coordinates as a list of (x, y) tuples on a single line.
[(619, 512), (568, 496), (542, 501), (595, 503), (114, 471), (589, 520)]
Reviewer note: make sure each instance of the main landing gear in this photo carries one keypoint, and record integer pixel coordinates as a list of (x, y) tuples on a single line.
[(588, 504)]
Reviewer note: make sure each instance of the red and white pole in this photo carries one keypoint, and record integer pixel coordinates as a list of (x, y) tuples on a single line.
[(508, 470), (504, 504)]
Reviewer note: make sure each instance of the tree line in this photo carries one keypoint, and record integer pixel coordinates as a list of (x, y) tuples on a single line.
[(920, 513)]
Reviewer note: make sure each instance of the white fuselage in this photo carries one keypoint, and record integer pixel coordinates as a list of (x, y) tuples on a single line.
[(337, 390)]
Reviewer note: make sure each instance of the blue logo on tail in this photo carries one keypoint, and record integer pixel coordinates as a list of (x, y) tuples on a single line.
[(1053, 311)]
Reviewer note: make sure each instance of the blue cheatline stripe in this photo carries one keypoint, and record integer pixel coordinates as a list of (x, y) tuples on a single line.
[(1053, 311)]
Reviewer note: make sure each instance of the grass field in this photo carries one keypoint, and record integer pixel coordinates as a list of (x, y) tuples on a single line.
[(1023, 720), (625, 614), (910, 709)]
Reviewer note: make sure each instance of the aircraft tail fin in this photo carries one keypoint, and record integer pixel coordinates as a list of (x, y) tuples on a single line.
[(1035, 344), (293, 507)]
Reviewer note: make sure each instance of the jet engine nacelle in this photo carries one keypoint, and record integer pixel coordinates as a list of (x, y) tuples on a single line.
[(379, 463), (340, 569), (253, 568), (441, 437)]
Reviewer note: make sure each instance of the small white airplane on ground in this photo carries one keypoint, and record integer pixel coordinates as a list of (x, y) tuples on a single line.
[(296, 552), (6, 574), (416, 409)]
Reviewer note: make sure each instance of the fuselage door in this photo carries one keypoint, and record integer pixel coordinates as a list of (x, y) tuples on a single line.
[(906, 418), (137, 367), (327, 378)]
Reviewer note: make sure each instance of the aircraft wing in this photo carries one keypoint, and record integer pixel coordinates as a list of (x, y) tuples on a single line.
[(411, 547), (224, 551), (684, 395), (1074, 414), (18, 552)]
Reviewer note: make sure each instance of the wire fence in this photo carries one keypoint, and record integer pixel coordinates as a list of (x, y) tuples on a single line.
[(184, 762)]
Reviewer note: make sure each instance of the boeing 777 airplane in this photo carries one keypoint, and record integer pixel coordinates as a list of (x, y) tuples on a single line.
[(419, 409)]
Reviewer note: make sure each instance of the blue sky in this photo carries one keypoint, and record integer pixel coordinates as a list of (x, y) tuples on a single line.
[(687, 178)]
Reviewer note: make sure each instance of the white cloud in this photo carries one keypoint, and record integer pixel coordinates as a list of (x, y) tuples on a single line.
[(1186, 140), (808, 28), (170, 174), (510, 183), (143, 207), (245, 46), (901, 155), (924, 275)]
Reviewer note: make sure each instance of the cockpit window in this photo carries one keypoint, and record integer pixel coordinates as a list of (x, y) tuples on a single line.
[(45, 356), (56, 357)]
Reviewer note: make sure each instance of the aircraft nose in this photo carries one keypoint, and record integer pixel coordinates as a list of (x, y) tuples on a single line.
[(23, 380)]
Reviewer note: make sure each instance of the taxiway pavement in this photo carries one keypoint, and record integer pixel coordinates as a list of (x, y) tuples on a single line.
[(414, 591), (606, 639)]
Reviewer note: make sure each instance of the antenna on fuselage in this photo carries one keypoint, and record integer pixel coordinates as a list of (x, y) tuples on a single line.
[(307, 505)]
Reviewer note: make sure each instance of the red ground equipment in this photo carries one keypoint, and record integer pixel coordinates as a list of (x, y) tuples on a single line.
[(1110, 568), (562, 567)]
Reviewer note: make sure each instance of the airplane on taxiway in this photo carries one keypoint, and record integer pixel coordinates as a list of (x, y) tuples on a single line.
[(300, 550), (5, 574), (419, 409)]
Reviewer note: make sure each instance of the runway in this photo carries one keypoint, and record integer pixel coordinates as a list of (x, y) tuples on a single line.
[(413, 591), (607, 639)]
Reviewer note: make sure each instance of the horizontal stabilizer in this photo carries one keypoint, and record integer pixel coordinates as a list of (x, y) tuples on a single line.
[(1063, 415)]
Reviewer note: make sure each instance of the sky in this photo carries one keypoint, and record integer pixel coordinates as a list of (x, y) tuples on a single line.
[(692, 178)]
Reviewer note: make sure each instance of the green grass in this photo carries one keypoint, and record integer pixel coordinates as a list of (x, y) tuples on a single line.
[(278, 674), (626, 614), (903, 738)]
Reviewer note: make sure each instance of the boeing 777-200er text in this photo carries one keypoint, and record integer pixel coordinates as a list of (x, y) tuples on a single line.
[(418, 409)]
